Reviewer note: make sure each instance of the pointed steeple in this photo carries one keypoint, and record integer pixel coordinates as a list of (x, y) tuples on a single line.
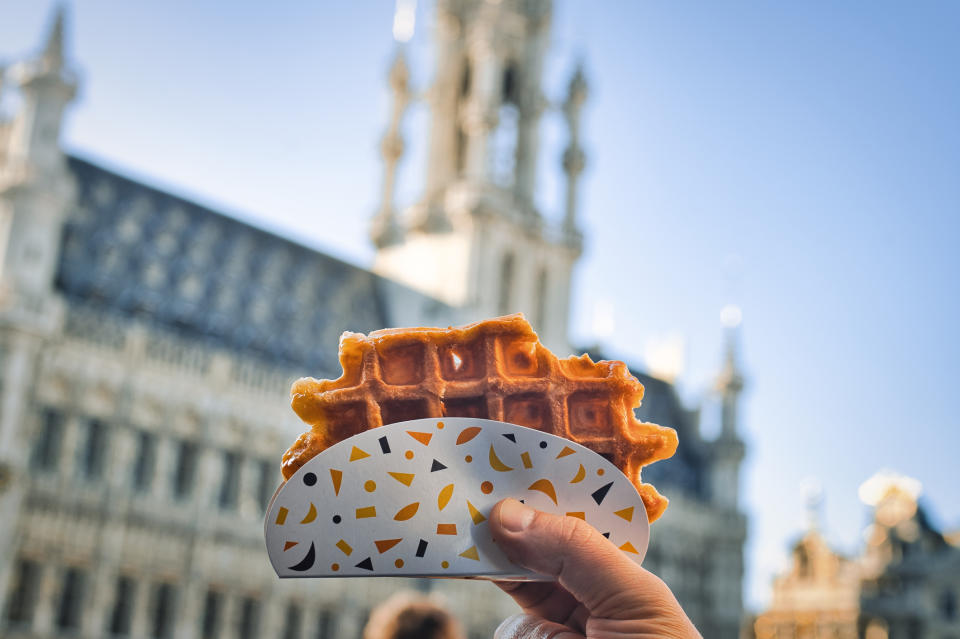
[(385, 228), (573, 156), (52, 55), (730, 380)]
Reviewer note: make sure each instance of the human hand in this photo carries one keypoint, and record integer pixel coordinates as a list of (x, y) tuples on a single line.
[(598, 593)]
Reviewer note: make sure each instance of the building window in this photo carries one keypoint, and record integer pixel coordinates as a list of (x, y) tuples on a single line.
[(266, 484), (164, 604), (948, 605), (212, 611), (145, 462), (22, 601), (185, 470), (94, 450), (294, 619), (541, 312), (46, 449), (70, 608), (121, 617), (506, 283), (230, 480), (325, 625), (248, 627)]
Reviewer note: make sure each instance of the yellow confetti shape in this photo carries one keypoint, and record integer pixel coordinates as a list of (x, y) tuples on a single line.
[(626, 513), (566, 451), (446, 529), (290, 544), (366, 511), (281, 516), (337, 476), (471, 553), (356, 454), (311, 515), (578, 515), (545, 487), (444, 497), (495, 462), (628, 547), (404, 478), (581, 473), (345, 547), (525, 458), (423, 438), (407, 511), (475, 514)]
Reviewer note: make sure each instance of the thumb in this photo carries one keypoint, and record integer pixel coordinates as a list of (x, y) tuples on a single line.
[(585, 563)]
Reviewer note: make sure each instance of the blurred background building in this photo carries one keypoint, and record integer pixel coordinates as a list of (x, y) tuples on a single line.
[(904, 583), (147, 344)]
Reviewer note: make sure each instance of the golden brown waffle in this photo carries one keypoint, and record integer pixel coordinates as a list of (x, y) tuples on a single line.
[(495, 369)]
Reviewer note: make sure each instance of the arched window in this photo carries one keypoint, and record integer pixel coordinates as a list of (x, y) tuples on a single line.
[(460, 140), (506, 285), (540, 319), (503, 156)]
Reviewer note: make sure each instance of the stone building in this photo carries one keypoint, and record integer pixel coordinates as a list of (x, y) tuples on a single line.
[(904, 584), (147, 345)]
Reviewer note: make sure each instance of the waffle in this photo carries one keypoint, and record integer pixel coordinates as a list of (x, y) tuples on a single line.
[(494, 369)]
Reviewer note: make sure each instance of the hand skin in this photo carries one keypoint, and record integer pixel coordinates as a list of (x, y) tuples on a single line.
[(598, 593)]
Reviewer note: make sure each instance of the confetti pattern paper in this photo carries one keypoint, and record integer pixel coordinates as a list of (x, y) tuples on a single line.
[(413, 498)]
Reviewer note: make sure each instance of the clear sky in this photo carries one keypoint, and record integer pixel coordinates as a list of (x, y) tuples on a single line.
[(814, 145)]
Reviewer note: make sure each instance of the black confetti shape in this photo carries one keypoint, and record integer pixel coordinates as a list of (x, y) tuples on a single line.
[(607, 535), (384, 445), (310, 479), (307, 562), (599, 494), (422, 548), (511, 437), (366, 564), (437, 466)]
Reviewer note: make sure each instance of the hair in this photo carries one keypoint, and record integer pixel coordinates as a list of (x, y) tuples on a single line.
[(408, 615)]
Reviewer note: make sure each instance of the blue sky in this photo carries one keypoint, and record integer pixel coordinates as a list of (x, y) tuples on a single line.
[(816, 145)]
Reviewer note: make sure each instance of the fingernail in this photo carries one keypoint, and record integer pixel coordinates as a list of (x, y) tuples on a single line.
[(514, 516)]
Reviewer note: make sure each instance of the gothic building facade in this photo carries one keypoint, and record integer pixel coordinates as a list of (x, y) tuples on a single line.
[(147, 345)]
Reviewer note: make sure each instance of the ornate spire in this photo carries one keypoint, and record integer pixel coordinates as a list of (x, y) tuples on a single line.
[(573, 157), (385, 229)]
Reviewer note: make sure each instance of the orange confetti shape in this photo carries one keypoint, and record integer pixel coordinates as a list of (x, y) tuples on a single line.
[(404, 478), (290, 544), (356, 454), (467, 434), (366, 511), (344, 547), (475, 514), (471, 553), (407, 511), (525, 458), (384, 545), (626, 513), (337, 477), (444, 497), (423, 438), (495, 462), (311, 515), (446, 529), (628, 547), (578, 515), (282, 516), (545, 487), (566, 451)]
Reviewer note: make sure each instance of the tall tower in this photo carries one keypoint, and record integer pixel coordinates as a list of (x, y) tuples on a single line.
[(35, 187), (475, 239), (728, 449)]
